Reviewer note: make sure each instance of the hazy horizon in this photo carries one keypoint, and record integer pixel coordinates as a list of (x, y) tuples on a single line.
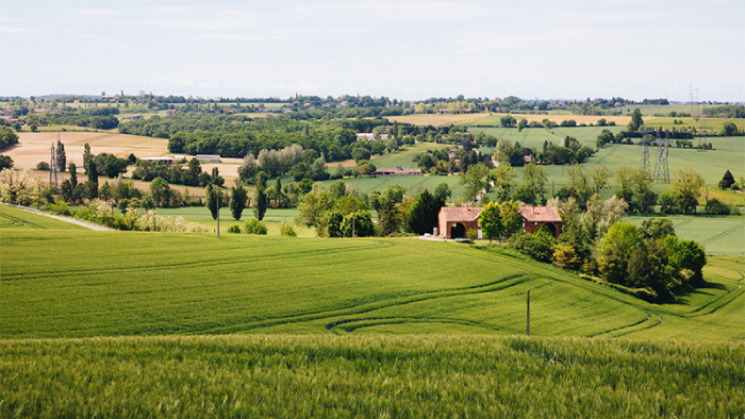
[(409, 50)]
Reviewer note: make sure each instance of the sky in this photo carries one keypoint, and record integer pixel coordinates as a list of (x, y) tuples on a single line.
[(403, 49)]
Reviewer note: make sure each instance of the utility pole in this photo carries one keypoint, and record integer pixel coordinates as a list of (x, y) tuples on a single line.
[(527, 324)]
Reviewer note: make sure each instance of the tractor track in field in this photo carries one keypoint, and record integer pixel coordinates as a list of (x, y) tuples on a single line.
[(493, 286), (217, 261)]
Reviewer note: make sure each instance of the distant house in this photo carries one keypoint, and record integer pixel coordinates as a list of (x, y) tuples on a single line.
[(171, 112), (456, 222), (397, 172), (209, 158), (370, 136), (131, 118), (163, 160)]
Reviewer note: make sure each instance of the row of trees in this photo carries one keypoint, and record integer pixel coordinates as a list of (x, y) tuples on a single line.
[(191, 175), (342, 211)]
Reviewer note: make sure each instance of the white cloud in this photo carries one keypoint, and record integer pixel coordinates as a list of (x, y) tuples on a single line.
[(94, 12), (101, 42), (20, 31)]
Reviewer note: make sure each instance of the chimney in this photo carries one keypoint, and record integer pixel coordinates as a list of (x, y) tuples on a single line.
[(532, 210)]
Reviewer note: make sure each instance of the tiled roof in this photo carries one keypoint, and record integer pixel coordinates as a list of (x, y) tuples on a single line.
[(540, 214), (456, 214)]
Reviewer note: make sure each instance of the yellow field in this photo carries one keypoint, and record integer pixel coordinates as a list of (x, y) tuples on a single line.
[(437, 119), (587, 119), (34, 147)]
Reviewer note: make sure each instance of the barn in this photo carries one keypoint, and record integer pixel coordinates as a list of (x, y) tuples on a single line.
[(456, 222)]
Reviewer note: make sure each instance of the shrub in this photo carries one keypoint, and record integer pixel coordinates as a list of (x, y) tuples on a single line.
[(287, 230), (42, 165), (234, 229), (254, 226), (59, 208), (716, 207), (539, 246)]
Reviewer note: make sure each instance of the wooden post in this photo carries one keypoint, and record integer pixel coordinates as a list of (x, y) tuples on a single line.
[(527, 324)]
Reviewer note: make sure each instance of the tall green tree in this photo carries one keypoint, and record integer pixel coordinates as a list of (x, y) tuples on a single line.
[(73, 174), (213, 196), (503, 177), (490, 221), (532, 189), (614, 252), (60, 156), (686, 188), (423, 215), (512, 220), (474, 180), (727, 180), (87, 158), (161, 192), (238, 199), (442, 192), (636, 120)]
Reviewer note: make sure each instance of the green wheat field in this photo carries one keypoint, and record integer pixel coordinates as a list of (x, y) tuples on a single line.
[(127, 324)]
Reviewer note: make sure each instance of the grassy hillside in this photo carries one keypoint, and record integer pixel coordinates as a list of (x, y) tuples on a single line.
[(344, 327), (79, 284), (369, 376), (719, 235)]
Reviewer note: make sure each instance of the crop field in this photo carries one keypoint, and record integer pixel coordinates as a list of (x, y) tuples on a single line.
[(369, 376), (404, 158), (160, 324), (719, 235), (113, 284), (494, 119), (35, 147), (664, 110), (413, 184), (436, 119), (702, 124), (534, 137), (728, 154)]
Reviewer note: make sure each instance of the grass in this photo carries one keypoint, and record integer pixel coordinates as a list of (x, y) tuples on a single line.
[(413, 184), (719, 235), (700, 124), (133, 324), (534, 137), (404, 157), (371, 376), (273, 218), (114, 284), (664, 110)]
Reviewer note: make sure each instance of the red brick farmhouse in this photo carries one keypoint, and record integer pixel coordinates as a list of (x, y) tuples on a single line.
[(456, 222)]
